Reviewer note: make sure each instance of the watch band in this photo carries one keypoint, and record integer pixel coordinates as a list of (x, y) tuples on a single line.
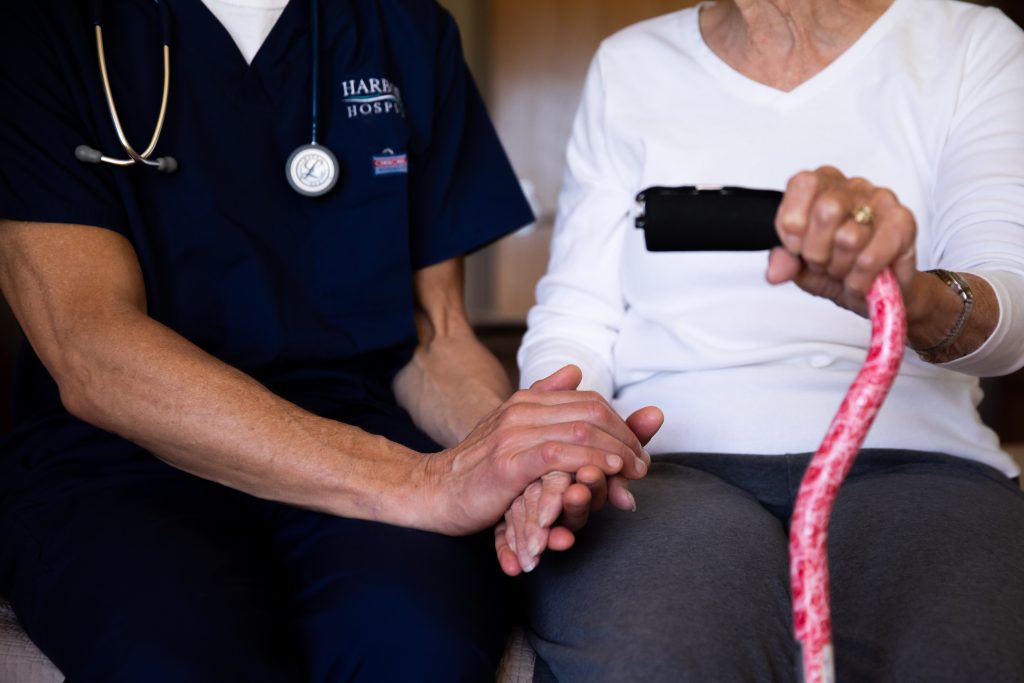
[(959, 285)]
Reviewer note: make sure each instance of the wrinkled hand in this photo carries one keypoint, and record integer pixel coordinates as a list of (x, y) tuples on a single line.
[(550, 427), (830, 254), (527, 531)]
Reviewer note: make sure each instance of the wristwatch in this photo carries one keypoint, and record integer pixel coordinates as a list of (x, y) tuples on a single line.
[(959, 285)]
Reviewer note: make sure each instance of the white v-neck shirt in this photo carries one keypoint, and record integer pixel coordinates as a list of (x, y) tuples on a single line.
[(249, 22), (929, 102)]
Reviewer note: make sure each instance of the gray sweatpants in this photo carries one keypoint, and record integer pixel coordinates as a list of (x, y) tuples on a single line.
[(926, 561)]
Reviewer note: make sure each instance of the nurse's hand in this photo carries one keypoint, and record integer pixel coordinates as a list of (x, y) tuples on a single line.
[(838, 234), (527, 531), (548, 428)]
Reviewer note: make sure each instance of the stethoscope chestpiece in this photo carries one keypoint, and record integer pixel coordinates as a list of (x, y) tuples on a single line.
[(312, 170)]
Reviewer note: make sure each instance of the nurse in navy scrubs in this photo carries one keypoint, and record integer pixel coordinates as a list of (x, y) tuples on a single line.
[(238, 363)]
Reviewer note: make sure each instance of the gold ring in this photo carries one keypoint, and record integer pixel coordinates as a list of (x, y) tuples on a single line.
[(863, 215)]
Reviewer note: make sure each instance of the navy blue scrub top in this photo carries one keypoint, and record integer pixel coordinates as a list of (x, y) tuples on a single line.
[(313, 297)]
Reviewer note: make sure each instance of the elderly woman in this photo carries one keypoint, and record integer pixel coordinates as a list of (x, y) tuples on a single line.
[(911, 113)]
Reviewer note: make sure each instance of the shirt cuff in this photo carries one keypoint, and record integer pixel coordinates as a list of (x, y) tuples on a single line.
[(538, 363)]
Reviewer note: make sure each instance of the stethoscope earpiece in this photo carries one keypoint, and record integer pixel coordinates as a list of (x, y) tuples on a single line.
[(167, 164), (90, 155)]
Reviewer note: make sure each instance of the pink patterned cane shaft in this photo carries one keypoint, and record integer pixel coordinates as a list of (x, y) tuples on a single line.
[(809, 526)]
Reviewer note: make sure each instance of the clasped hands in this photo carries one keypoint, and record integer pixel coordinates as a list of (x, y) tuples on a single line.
[(546, 515)]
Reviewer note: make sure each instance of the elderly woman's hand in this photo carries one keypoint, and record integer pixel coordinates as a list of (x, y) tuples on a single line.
[(528, 528), (550, 511), (838, 234)]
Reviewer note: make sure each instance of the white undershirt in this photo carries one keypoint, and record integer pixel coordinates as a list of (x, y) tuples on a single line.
[(249, 22)]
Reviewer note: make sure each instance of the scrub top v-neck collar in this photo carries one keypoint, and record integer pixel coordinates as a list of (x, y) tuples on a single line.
[(214, 37), (765, 95)]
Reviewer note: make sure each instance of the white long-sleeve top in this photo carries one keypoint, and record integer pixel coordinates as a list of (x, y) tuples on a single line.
[(928, 102)]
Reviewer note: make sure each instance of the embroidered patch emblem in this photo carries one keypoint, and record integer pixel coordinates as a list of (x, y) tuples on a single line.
[(390, 163)]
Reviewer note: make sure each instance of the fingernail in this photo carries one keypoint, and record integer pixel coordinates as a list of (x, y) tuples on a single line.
[(546, 519), (793, 243), (529, 566), (615, 462), (641, 467), (534, 548), (647, 456), (632, 501)]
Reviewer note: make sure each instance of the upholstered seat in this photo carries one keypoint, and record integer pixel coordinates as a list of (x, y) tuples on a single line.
[(20, 660)]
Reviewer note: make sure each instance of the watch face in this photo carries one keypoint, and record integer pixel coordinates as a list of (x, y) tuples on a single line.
[(312, 170)]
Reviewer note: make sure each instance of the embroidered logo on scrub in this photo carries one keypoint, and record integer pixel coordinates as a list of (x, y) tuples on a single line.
[(389, 163), (370, 97)]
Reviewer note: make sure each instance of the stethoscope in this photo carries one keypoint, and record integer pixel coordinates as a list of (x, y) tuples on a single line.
[(311, 170)]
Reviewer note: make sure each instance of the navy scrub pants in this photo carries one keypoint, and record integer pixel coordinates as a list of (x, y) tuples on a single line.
[(154, 575), (926, 562)]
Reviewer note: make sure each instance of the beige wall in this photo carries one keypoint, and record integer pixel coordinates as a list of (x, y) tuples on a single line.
[(471, 16)]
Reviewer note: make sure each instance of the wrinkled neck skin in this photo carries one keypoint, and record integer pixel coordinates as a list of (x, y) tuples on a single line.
[(783, 43)]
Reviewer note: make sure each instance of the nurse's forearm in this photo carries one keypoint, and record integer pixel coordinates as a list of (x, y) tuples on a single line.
[(132, 376), (78, 293), (451, 383)]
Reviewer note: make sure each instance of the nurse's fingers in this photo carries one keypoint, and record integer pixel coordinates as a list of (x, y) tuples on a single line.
[(562, 385), (619, 494), (567, 378), (577, 503), (596, 484), (568, 446), (563, 457), (561, 539), (521, 411), (645, 423)]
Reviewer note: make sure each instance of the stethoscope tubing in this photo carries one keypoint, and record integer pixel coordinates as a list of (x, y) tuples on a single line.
[(87, 154), (141, 157), (169, 164), (314, 27)]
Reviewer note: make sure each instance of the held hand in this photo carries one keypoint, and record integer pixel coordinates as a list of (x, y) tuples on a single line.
[(548, 428), (526, 531), (838, 234)]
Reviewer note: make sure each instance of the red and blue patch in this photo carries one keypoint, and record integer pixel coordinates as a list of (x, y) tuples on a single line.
[(390, 164)]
